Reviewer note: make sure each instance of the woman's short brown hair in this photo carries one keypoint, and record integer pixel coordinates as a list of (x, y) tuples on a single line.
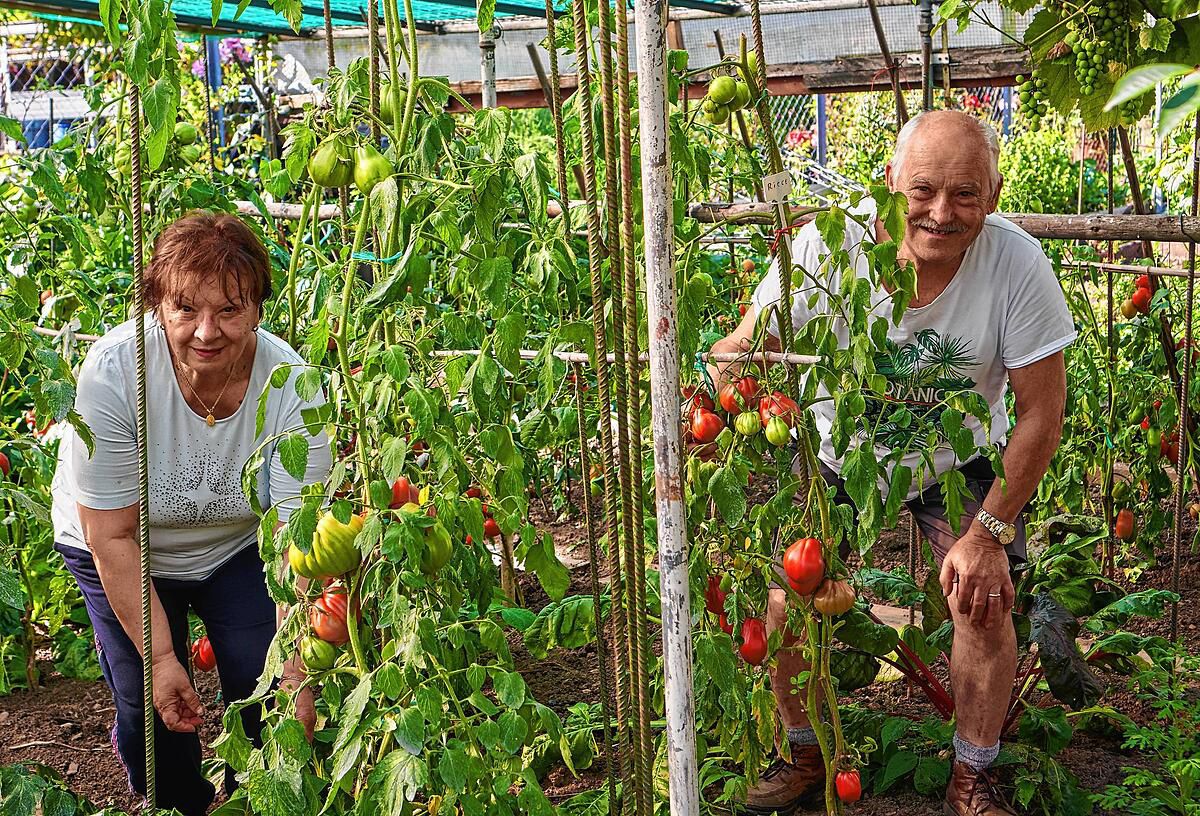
[(200, 246)]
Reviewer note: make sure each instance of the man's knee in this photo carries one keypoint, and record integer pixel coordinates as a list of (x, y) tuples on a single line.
[(777, 616)]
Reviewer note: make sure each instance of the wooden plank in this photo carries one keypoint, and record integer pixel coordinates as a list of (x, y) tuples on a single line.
[(969, 67), (1039, 225)]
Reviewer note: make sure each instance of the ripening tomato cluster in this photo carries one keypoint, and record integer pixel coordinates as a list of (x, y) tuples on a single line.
[(751, 412), (1139, 301), (804, 566)]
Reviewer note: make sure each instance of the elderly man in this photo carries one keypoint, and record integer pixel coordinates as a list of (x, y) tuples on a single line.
[(986, 286)]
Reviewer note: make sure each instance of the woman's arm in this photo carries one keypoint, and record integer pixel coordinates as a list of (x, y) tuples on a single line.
[(112, 536)]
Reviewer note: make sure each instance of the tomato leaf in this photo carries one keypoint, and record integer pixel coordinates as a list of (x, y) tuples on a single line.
[(410, 730), (726, 491), (540, 558), (394, 782), (293, 455), (510, 688)]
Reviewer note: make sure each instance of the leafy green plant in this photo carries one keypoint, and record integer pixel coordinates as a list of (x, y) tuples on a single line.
[(1170, 782)]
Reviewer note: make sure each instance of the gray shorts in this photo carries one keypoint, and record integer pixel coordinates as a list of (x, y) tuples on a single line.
[(929, 511)]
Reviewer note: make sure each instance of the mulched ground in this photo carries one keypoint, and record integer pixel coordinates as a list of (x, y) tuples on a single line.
[(64, 724)]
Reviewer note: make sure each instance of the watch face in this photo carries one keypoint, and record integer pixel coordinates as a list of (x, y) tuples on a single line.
[(1007, 535)]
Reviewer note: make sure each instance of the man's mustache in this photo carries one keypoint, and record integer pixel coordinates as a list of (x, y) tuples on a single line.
[(925, 223)]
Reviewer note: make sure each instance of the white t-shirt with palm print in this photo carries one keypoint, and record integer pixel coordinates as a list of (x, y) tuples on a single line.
[(1003, 310)]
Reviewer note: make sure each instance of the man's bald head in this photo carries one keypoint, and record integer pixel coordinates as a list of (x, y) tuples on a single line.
[(950, 130)]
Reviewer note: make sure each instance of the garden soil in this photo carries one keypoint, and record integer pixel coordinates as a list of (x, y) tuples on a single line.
[(65, 724)]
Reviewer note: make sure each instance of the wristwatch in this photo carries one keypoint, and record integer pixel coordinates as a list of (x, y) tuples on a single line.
[(1003, 531)]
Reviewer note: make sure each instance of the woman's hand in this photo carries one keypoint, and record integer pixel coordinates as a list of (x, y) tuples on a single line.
[(176, 702)]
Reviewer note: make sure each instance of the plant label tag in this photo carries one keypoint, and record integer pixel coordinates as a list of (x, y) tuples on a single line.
[(777, 187)]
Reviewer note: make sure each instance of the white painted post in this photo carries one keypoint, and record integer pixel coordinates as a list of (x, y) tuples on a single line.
[(657, 222), (487, 57)]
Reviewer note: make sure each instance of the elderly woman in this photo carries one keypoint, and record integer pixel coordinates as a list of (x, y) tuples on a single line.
[(207, 361)]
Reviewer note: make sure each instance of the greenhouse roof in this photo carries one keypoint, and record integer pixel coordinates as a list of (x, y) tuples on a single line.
[(258, 17)]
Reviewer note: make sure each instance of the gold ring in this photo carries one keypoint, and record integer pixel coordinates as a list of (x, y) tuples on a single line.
[(993, 594)]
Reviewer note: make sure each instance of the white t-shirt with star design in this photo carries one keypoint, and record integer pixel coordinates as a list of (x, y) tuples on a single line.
[(199, 516)]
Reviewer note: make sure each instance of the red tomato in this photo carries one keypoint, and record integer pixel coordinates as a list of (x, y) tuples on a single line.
[(1142, 281), (706, 426), (726, 626), (403, 493), (490, 528), (467, 541), (1145, 423), (1123, 528), (473, 492), (742, 309), (780, 405), (5, 465), (849, 786), (714, 598), (1157, 404), (804, 565), (739, 395), (327, 617), (1169, 447), (202, 655), (696, 397), (1141, 300), (754, 641)]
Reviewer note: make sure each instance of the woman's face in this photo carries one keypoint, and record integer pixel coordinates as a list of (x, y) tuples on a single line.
[(207, 329)]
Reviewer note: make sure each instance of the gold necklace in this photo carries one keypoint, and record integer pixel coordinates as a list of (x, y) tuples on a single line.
[(210, 419)]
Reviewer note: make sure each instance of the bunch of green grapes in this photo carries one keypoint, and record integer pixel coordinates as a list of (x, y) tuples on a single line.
[(1129, 112), (1098, 36), (1032, 93)]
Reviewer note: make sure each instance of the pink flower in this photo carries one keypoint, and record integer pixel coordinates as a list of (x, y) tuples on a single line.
[(197, 68)]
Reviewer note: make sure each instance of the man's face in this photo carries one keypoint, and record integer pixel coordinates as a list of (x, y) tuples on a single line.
[(946, 176)]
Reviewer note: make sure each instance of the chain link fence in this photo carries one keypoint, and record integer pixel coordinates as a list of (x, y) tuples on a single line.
[(44, 84)]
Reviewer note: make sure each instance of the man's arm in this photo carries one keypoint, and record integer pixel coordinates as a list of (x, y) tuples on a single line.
[(976, 562), (740, 340), (1041, 395)]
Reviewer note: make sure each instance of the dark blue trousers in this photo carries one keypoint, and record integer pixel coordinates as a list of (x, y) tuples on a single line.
[(239, 617)]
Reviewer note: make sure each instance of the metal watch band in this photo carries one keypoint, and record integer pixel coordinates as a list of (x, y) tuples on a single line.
[(995, 526)]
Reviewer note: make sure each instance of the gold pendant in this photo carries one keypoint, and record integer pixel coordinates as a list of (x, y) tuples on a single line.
[(211, 420)]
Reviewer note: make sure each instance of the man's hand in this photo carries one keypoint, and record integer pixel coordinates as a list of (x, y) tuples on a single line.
[(176, 702), (975, 578)]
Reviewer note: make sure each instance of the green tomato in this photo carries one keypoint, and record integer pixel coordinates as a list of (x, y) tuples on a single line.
[(370, 168), (190, 153), (438, 549), (333, 550), (318, 655), (778, 433), (748, 423), (722, 90), (330, 165), (742, 99), (718, 115), (186, 133)]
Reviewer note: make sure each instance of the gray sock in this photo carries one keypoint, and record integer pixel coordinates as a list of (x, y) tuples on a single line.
[(802, 736), (976, 756)]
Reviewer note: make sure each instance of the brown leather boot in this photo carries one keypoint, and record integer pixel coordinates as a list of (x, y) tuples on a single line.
[(973, 793), (785, 787)]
